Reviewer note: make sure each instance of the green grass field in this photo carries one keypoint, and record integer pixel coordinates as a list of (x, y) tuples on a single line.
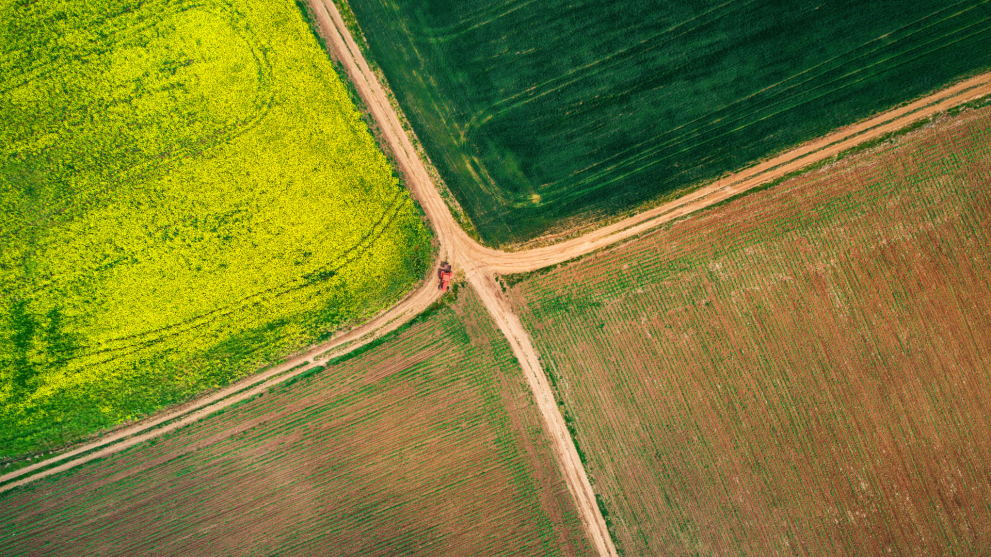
[(802, 371), (546, 114), (187, 192), (427, 444)]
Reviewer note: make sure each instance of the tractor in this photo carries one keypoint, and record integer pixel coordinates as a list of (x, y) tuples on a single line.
[(444, 274)]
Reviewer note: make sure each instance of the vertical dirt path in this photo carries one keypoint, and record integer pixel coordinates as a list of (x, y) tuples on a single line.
[(459, 250), (480, 265), (563, 446)]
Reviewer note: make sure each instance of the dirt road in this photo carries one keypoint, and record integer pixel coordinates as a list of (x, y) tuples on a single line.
[(480, 265), (465, 253)]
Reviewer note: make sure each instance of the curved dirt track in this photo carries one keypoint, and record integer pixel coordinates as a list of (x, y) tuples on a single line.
[(480, 265)]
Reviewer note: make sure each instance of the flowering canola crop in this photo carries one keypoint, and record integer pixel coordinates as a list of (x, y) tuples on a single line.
[(187, 192)]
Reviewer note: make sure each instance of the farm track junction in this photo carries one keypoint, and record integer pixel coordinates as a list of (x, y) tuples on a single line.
[(480, 265)]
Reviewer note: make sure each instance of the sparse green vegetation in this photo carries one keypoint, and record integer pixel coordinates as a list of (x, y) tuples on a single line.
[(800, 371)]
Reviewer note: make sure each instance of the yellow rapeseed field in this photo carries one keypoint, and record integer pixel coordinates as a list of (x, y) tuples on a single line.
[(187, 193)]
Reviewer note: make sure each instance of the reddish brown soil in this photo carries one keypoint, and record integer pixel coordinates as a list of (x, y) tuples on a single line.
[(429, 444), (802, 371)]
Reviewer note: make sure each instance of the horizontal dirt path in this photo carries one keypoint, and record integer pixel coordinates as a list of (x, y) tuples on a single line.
[(791, 161), (189, 413), (480, 265)]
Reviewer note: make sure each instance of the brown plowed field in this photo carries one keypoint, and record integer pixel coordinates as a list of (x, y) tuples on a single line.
[(427, 444), (803, 371)]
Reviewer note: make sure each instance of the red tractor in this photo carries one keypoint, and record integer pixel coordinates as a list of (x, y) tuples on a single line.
[(444, 274)]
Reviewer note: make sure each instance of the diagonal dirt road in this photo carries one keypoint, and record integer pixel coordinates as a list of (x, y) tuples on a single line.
[(481, 264)]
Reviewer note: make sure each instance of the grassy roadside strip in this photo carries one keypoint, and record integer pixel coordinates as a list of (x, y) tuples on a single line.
[(508, 281), (337, 356), (59, 458), (351, 22), (569, 422)]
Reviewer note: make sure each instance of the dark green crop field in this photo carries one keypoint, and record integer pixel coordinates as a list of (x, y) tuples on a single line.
[(540, 113)]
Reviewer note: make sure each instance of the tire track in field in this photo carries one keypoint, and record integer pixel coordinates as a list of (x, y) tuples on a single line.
[(583, 72), (644, 151), (481, 264), (144, 339)]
